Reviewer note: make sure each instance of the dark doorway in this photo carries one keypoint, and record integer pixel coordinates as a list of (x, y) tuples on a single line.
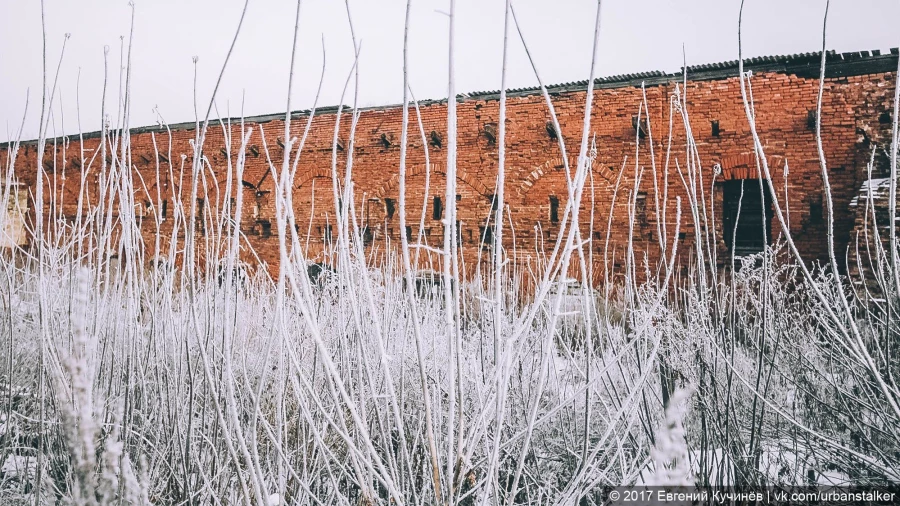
[(754, 230)]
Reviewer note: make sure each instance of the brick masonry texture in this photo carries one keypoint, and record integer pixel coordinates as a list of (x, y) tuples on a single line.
[(857, 105)]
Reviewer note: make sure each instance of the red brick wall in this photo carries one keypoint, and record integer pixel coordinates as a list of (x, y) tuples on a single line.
[(853, 122)]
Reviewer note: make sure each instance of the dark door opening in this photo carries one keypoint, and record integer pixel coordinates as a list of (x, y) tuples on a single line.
[(754, 230)]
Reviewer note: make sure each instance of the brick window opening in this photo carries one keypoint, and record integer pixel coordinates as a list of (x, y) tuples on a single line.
[(754, 229), (493, 199), (389, 208), (437, 208), (551, 131), (327, 234), (368, 236), (201, 222), (639, 127), (165, 210), (811, 118), (409, 233), (265, 228), (554, 209), (816, 214)]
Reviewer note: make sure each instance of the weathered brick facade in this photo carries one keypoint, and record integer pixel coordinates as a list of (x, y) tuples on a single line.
[(856, 118)]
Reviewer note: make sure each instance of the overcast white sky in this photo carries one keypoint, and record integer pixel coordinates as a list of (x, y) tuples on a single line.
[(635, 36)]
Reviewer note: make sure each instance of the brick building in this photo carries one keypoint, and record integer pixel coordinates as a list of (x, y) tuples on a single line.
[(856, 119)]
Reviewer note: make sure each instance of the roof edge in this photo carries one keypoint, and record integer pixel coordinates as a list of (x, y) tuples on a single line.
[(854, 63)]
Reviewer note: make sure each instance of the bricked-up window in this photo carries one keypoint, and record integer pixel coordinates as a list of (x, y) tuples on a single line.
[(371, 206), (554, 209), (754, 229), (389, 208), (437, 208)]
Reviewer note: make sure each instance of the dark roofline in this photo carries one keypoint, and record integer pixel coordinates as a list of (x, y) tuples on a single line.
[(807, 65)]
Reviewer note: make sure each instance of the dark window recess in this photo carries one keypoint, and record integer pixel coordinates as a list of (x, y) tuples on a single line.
[(389, 208), (816, 215), (436, 139), (370, 205), (598, 235), (487, 236), (165, 209), (490, 131), (638, 126), (554, 209), (459, 239), (327, 235), (265, 228), (367, 235), (754, 230), (715, 128), (408, 233), (811, 119), (551, 131), (493, 199), (437, 208), (884, 118)]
